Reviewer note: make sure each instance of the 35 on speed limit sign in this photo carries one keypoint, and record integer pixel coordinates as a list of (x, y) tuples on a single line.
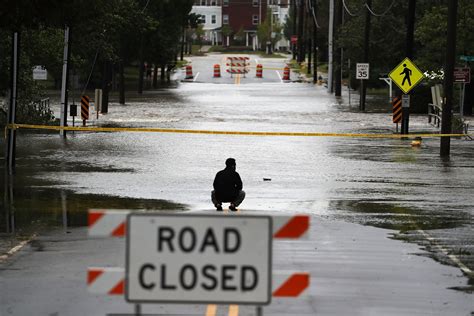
[(362, 71), (208, 259)]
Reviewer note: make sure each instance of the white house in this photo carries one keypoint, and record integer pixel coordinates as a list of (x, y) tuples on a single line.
[(211, 11), (280, 10)]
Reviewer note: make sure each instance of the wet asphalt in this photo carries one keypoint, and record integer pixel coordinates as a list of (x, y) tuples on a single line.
[(388, 218)]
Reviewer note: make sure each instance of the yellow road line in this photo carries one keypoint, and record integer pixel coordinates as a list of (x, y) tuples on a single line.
[(211, 310), (233, 310), (243, 133), (237, 78)]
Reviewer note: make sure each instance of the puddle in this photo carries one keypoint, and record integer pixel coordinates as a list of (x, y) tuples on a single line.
[(396, 217), (448, 230)]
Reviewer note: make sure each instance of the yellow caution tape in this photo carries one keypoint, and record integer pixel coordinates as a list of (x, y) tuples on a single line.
[(190, 131)]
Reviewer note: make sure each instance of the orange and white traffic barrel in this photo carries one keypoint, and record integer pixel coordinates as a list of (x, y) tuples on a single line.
[(259, 71), (189, 72), (286, 73), (217, 71)]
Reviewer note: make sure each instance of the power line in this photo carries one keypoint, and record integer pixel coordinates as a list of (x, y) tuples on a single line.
[(314, 15), (379, 15), (347, 9), (92, 70)]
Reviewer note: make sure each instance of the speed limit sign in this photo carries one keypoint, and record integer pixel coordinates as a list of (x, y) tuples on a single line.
[(362, 71)]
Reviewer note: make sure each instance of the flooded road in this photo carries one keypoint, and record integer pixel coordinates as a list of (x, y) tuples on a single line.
[(385, 183)]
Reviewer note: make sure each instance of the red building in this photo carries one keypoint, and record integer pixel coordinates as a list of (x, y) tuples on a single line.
[(243, 17)]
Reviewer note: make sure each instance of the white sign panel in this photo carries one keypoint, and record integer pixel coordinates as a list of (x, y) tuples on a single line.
[(362, 71), (405, 101), (40, 73), (176, 258)]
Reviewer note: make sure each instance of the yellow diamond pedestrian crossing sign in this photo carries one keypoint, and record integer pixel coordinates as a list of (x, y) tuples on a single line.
[(406, 75)]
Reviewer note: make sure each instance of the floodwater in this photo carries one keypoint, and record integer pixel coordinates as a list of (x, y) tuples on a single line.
[(381, 182)]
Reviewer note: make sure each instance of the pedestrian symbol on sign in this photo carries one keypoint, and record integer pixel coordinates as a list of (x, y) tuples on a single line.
[(406, 75), (407, 71)]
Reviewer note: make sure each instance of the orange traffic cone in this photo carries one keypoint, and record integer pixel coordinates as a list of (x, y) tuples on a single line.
[(189, 72), (259, 71), (286, 73), (217, 71)]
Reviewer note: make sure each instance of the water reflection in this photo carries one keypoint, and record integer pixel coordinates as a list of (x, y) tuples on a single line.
[(29, 208)]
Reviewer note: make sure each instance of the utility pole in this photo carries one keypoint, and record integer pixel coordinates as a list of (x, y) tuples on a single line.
[(330, 45), (301, 52), (106, 86), (363, 85), (11, 141), (293, 5), (315, 42), (64, 86), (409, 53), (141, 69), (308, 39), (338, 50), (449, 78)]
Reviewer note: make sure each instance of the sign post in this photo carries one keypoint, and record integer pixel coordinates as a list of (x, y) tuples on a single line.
[(406, 76), (362, 73), (215, 260), (463, 76), (11, 141)]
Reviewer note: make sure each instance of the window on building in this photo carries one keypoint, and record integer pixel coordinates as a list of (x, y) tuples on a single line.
[(256, 3), (203, 2), (254, 19), (203, 19), (213, 2), (213, 19), (225, 3), (225, 19)]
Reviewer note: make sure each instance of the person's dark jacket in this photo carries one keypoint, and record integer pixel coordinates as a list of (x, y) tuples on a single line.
[(227, 185)]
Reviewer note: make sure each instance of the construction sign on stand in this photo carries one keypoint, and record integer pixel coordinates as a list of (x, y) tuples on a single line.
[(217, 259), (406, 75), (238, 65), (220, 260)]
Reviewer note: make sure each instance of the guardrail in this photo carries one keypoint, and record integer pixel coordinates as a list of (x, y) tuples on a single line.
[(434, 114), (434, 118)]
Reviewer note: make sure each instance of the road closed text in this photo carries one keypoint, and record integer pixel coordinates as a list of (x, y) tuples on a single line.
[(208, 277)]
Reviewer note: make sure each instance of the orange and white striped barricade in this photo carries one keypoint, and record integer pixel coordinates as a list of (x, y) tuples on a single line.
[(217, 71), (286, 73), (259, 73), (189, 72), (238, 65), (85, 109), (112, 223), (288, 284), (111, 281), (107, 280)]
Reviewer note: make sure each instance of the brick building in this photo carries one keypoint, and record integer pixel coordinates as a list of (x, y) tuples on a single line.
[(243, 15)]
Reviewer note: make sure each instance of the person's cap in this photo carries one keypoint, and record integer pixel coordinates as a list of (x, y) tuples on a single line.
[(230, 162)]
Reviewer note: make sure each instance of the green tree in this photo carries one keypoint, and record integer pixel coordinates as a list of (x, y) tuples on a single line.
[(268, 31), (226, 33)]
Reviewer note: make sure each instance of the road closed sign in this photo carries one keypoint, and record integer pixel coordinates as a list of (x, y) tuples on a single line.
[(198, 259)]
